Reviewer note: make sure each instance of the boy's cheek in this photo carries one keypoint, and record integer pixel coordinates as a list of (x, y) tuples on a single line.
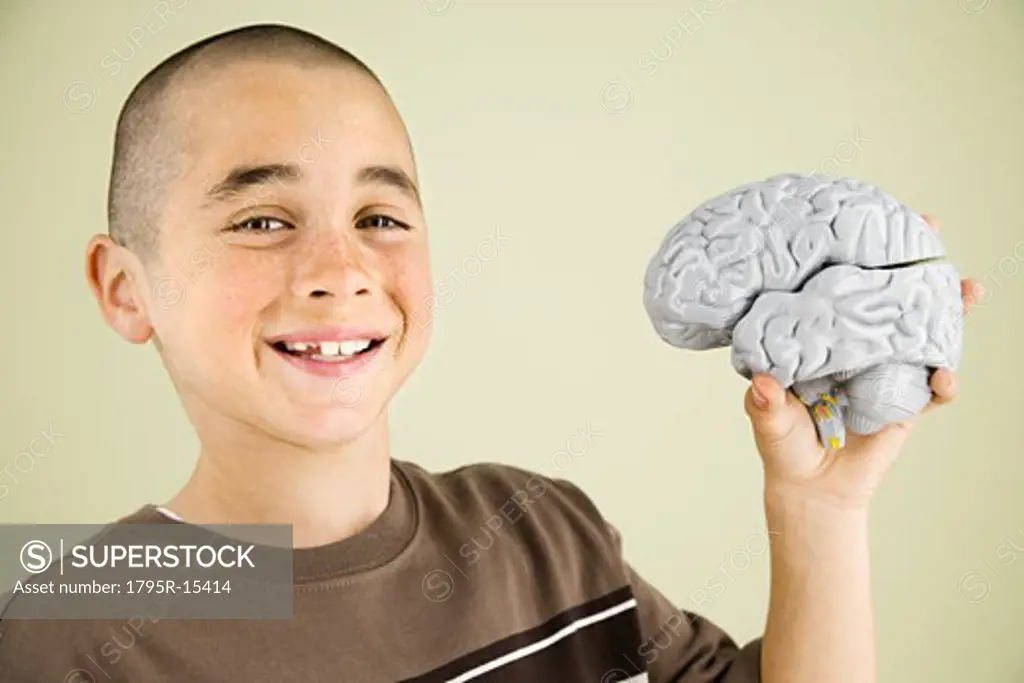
[(167, 293), (207, 309), (415, 294)]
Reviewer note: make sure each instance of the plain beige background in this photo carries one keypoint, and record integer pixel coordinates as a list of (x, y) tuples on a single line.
[(579, 132)]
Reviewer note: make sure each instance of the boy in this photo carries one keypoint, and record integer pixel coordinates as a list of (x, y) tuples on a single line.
[(275, 165)]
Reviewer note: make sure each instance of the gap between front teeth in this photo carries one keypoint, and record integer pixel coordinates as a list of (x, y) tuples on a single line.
[(333, 348)]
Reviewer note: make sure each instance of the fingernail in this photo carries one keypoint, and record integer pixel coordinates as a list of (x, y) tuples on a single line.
[(759, 399)]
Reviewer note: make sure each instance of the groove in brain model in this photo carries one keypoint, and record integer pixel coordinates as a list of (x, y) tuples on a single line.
[(830, 285)]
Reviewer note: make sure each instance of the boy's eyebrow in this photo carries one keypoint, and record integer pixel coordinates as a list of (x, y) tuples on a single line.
[(242, 178), (389, 175)]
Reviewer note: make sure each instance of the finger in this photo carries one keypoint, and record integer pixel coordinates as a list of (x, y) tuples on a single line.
[(930, 220), (770, 408), (889, 440), (971, 291), (943, 386)]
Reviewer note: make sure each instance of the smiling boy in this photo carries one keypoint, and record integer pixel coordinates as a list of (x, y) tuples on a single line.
[(268, 236)]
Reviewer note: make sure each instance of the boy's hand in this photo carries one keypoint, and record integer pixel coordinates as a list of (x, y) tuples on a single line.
[(796, 464)]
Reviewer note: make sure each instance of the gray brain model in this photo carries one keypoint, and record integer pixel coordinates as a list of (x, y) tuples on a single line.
[(830, 285)]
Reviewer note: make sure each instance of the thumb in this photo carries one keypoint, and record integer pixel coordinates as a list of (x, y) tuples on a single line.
[(767, 406)]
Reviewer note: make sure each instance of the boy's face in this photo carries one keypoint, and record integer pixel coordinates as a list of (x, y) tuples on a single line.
[(293, 236)]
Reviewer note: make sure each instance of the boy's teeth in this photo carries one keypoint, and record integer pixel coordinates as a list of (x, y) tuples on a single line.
[(348, 347), (353, 346)]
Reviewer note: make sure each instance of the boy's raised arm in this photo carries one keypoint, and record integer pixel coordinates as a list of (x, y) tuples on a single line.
[(820, 621), (820, 618)]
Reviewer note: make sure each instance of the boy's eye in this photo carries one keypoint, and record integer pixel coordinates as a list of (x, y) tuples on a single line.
[(380, 222), (263, 224)]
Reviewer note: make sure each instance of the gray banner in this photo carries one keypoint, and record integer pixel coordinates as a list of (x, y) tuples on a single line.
[(157, 571)]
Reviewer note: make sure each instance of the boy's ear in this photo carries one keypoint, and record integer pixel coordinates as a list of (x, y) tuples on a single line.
[(115, 276)]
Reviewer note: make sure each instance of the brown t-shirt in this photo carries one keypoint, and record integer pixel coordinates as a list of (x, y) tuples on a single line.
[(486, 573)]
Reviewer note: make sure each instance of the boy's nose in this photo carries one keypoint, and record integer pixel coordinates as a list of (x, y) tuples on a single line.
[(338, 268)]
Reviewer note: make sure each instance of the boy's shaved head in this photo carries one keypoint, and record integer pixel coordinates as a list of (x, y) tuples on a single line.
[(148, 144)]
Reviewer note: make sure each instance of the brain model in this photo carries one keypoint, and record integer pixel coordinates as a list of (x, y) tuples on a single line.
[(830, 285)]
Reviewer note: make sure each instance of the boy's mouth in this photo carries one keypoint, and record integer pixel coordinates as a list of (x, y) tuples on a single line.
[(328, 351)]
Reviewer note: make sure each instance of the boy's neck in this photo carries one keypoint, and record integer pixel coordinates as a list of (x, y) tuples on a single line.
[(326, 497)]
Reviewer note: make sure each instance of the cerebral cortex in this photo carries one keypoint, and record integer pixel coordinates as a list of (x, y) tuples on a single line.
[(830, 285)]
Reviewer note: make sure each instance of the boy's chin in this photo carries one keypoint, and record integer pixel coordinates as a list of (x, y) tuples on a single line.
[(327, 429)]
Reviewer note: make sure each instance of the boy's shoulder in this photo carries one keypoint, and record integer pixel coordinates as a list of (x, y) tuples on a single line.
[(488, 479), (469, 508), (493, 489)]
